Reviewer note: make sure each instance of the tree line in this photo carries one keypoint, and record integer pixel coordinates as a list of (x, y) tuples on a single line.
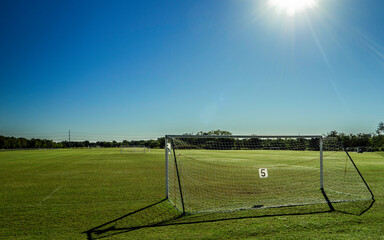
[(23, 143), (371, 141)]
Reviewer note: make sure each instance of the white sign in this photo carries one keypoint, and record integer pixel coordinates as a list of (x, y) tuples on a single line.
[(263, 172)]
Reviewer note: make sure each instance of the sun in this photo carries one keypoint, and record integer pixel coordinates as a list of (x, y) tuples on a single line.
[(292, 7)]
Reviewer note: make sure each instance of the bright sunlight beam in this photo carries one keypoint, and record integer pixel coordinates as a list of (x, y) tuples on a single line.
[(291, 7)]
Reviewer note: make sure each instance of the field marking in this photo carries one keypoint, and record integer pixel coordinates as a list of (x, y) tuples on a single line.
[(50, 195), (16, 206), (292, 166), (297, 166)]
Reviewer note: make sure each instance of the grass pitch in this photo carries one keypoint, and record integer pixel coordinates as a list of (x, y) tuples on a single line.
[(100, 193)]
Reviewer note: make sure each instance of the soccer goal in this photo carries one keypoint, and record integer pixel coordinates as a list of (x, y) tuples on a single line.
[(229, 173), (136, 148)]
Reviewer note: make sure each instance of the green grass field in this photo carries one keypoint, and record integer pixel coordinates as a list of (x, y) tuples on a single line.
[(63, 194)]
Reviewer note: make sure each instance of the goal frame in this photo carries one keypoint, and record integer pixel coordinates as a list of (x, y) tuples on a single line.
[(135, 148), (169, 142)]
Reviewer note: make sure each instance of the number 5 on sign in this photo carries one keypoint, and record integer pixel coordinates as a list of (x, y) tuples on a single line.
[(263, 172)]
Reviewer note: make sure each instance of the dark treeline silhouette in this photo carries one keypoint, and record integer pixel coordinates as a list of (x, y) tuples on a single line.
[(361, 141), (13, 143), (159, 143), (23, 143), (371, 142)]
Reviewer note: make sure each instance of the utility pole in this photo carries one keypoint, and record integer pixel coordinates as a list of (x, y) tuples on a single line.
[(69, 138)]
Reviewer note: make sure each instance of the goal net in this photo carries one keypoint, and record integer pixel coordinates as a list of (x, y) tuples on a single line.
[(228, 173), (132, 148)]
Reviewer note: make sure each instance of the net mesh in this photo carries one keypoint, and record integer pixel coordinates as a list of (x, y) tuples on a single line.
[(230, 173)]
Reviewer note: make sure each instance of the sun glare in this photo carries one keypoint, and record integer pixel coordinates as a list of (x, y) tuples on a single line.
[(292, 7)]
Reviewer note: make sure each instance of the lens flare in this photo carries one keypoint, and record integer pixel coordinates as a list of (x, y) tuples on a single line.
[(292, 7)]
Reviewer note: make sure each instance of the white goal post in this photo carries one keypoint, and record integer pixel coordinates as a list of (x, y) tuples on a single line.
[(207, 173)]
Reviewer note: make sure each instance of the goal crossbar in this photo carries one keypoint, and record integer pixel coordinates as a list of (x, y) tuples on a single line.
[(243, 136)]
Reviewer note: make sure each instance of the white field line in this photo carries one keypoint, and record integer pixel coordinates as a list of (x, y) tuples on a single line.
[(297, 166), (62, 204), (344, 193), (291, 166), (50, 195)]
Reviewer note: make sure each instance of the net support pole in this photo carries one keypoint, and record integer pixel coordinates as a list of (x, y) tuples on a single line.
[(361, 176), (178, 177), (166, 168), (322, 177)]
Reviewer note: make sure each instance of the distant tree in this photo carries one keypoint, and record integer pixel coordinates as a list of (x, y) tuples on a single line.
[(161, 142), (86, 143), (215, 132), (333, 133), (380, 128), (377, 142), (154, 144), (363, 139), (2, 142), (313, 144)]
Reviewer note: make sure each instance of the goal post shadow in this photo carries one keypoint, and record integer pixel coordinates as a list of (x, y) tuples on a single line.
[(151, 215), (162, 214)]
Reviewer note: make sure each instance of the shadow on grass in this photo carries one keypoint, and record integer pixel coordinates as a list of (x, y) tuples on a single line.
[(156, 214), (162, 213)]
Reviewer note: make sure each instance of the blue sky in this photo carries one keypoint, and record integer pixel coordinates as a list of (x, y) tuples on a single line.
[(113, 70)]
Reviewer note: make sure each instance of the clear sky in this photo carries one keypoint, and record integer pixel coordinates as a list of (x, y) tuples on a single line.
[(142, 69)]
